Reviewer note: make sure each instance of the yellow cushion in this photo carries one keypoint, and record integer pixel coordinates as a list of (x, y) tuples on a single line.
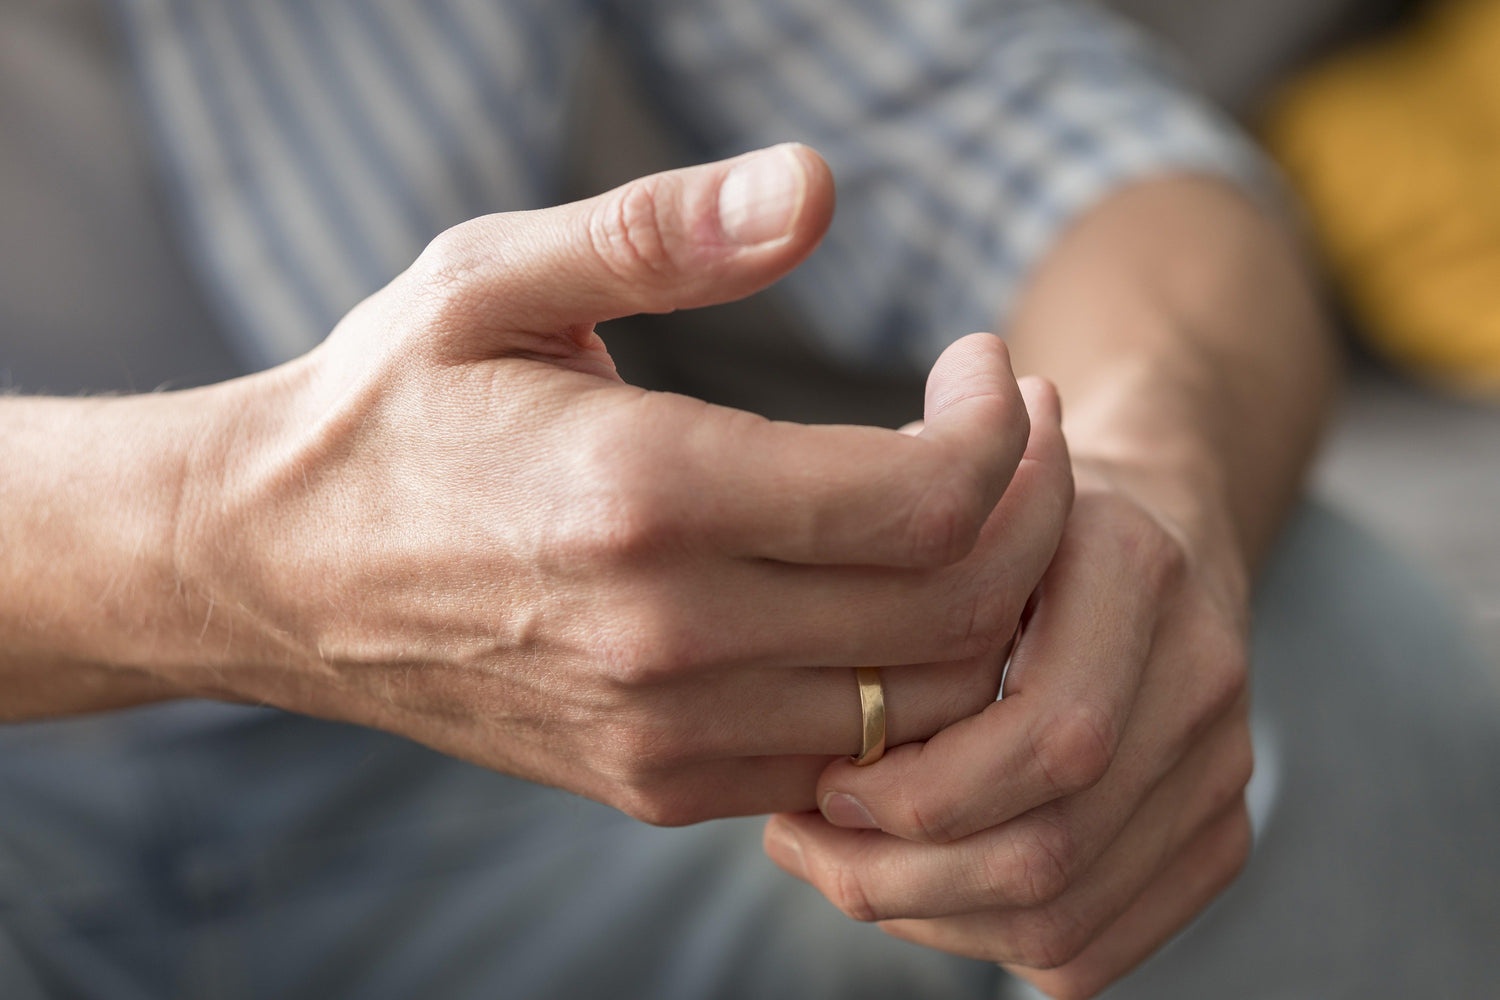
[(1395, 149)]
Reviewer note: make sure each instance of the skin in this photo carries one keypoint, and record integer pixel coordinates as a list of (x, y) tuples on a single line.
[(454, 522), (1071, 829)]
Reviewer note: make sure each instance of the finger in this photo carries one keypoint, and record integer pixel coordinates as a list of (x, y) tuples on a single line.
[(776, 711), (1195, 878), (1074, 679), (760, 613), (1208, 863), (691, 237), (839, 495), (534, 283), (925, 508), (1029, 876), (704, 790)]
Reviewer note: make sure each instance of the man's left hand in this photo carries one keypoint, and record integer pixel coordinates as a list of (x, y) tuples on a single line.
[(1070, 829)]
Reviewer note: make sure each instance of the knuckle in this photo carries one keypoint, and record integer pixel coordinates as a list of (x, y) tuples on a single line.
[(630, 235), (626, 661), (1037, 866), (621, 510), (845, 888), (658, 795), (631, 790), (621, 513), (1075, 747), (1048, 939), (1238, 845), (981, 619), (651, 804), (449, 258), (630, 527), (934, 818), (1231, 848), (652, 649), (1234, 765), (1234, 666), (1225, 673), (1148, 548), (1169, 559), (1241, 764), (944, 522), (639, 746), (441, 282)]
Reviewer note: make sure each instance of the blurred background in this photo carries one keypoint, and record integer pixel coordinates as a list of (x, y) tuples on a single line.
[(1386, 118)]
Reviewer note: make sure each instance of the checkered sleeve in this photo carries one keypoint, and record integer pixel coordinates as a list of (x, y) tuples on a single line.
[(964, 135)]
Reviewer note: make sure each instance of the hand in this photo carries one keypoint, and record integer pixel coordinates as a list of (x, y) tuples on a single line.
[(1070, 829), (453, 520)]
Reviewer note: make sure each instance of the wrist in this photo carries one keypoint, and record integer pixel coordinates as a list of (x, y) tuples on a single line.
[(91, 611), (1188, 496), (220, 534), (1200, 351), (1150, 432), (1160, 424)]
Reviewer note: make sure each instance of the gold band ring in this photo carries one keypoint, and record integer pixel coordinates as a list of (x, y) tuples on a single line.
[(872, 715)]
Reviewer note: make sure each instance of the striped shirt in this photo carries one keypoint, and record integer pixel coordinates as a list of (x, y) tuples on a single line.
[(313, 147)]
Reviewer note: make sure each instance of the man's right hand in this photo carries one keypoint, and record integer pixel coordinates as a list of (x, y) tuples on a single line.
[(453, 521)]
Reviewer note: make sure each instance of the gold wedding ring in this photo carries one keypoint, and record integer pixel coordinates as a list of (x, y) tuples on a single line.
[(872, 715)]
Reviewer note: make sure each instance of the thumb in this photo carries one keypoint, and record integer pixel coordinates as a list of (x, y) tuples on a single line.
[(976, 412), (685, 238)]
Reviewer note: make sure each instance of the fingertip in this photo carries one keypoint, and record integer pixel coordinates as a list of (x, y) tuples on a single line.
[(1046, 443), (782, 846), (844, 810), (774, 198), (1041, 397), (976, 365), (819, 194), (686, 238), (975, 411)]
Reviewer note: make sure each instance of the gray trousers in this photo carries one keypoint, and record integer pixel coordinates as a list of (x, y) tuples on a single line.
[(209, 851)]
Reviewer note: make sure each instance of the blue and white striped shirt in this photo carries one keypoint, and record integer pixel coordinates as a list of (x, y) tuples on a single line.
[(313, 147)]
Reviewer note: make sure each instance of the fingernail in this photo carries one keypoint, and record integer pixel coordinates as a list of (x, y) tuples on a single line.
[(847, 811), (785, 848), (760, 198)]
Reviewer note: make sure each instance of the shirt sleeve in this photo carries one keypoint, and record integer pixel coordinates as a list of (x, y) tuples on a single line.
[(964, 135)]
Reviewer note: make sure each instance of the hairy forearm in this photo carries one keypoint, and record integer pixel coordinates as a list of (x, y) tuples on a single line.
[(1180, 324), (89, 598)]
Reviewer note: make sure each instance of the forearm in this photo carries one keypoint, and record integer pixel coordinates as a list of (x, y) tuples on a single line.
[(1180, 325), (92, 615)]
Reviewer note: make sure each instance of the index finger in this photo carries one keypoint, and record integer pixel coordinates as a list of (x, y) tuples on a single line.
[(841, 495), (1077, 670)]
